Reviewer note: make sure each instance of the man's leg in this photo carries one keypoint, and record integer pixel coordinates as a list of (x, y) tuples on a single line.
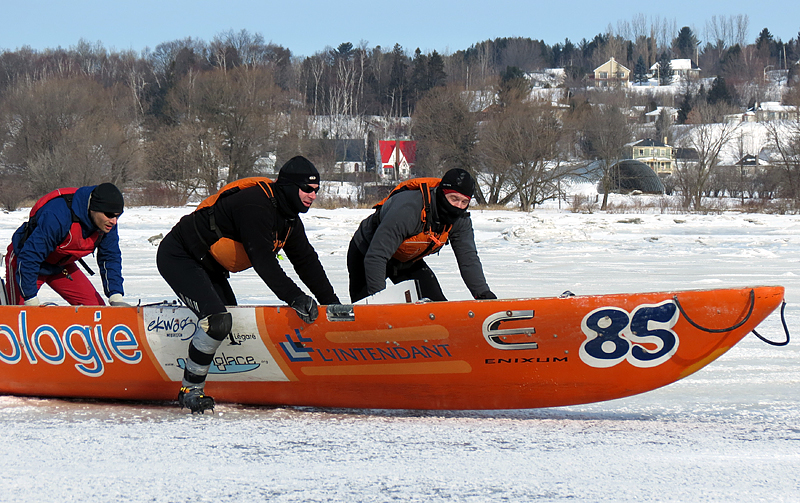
[(196, 288), (74, 287), (13, 292), (355, 269), (428, 284)]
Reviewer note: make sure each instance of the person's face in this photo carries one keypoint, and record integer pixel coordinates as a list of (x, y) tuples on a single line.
[(459, 201), (104, 221), (308, 198)]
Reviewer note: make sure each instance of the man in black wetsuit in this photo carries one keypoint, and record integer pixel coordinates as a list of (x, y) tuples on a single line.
[(239, 227)]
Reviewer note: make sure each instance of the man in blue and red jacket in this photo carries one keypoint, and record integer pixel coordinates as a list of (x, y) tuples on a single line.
[(65, 226)]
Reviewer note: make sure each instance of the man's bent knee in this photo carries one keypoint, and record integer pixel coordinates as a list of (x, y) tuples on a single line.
[(217, 326)]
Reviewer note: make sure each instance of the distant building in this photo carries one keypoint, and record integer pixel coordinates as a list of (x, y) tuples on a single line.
[(346, 155), (685, 156), (774, 111), (631, 176), (654, 115), (611, 73), (655, 154), (766, 111), (681, 69), (547, 77), (398, 158), (750, 163)]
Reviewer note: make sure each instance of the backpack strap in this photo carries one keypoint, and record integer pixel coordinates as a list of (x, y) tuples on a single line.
[(212, 220), (426, 205), (30, 225)]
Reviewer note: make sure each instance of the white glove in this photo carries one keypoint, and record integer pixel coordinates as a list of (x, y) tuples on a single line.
[(33, 301), (116, 301)]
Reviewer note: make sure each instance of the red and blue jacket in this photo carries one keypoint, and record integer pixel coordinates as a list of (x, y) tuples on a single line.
[(58, 239)]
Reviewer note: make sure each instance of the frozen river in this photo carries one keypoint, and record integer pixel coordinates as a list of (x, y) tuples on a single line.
[(730, 432)]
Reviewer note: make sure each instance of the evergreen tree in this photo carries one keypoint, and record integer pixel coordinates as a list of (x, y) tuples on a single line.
[(640, 71), (345, 50), (663, 125), (685, 44), (685, 109), (719, 92), (664, 70), (514, 86), (398, 81), (764, 40), (436, 74)]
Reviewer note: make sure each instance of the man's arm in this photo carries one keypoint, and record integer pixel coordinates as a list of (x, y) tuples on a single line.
[(49, 232), (400, 219), (462, 239), (306, 263), (109, 260)]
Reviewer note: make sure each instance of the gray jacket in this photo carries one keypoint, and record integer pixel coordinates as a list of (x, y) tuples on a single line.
[(380, 234)]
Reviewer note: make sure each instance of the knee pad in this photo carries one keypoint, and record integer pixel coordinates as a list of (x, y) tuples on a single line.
[(217, 326)]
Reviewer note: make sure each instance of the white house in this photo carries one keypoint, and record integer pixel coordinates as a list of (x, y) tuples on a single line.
[(683, 69)]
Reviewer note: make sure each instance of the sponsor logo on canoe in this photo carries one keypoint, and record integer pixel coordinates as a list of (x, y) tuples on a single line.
[(299, 349), (90, 348), (181, 327), (224, 364), (509, 338), (532, 359), (242, 356), (643, 337)]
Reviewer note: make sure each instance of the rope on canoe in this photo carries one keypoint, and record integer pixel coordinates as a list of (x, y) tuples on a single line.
[(717, 330), (785, 330), (734, 327)]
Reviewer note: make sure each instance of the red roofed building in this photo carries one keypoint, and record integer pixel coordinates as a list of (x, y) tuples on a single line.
[(402, 158)]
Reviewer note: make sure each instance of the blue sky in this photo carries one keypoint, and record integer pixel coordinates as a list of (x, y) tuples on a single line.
[(306, 27)]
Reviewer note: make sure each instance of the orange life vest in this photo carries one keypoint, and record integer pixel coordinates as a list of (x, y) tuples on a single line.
[(427, 241), (230, 253)]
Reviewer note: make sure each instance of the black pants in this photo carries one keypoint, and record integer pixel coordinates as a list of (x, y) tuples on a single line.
[(204, 290), (396, 271)]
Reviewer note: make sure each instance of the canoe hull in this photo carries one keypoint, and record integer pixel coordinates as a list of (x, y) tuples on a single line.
[(491, 354)]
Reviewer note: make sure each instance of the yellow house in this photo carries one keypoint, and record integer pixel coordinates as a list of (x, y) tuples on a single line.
[(655, 154), (611, 73)]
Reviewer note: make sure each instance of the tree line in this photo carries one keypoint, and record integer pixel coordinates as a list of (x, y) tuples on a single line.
[(163, 122)]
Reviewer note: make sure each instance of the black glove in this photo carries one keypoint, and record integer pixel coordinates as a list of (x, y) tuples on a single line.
[(306, 308), (486, 295)]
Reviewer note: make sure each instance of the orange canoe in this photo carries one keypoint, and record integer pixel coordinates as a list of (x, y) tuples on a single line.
[(488, 354)]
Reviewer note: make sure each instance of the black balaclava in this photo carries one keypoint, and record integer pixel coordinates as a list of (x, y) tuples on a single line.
[(455, 180), (107, 198), (297, 172)]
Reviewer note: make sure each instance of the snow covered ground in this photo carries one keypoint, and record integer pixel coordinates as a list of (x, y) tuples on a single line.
[(730, 432)]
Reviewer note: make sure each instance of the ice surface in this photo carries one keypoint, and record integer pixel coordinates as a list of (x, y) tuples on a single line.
[(730, 432)]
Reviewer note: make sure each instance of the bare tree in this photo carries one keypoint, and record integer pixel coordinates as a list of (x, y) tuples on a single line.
[(70, 132), (522, 145), (784, 137), (243, 109), (707, 136), (183, 159), (446, 133), (606, 133), (726, 31)]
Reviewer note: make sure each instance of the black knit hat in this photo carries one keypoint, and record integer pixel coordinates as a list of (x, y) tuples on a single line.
[(107, 198), (298, 171), (458, 180)]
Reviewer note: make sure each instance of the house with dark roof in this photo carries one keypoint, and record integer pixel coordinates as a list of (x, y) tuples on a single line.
[(654, 153)]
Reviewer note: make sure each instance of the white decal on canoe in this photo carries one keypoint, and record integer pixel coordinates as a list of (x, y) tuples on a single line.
[(644, 338), (243, 356)]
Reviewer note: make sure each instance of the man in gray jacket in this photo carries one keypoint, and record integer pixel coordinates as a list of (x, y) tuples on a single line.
[(417, 219)]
